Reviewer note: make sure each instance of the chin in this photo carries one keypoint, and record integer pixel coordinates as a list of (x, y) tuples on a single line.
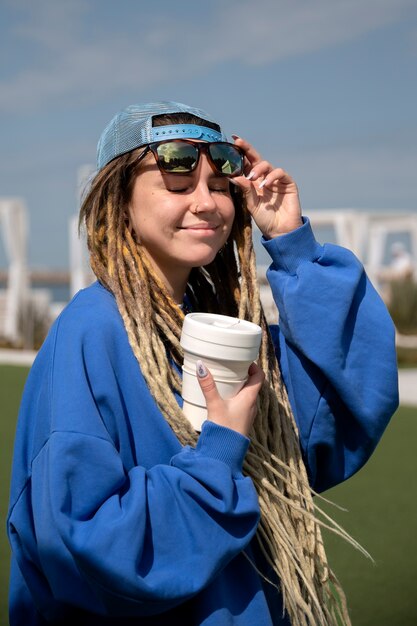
[(205, 259)]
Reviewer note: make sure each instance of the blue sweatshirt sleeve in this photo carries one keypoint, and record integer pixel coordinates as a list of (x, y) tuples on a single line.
[(335, 344), (117, 540)]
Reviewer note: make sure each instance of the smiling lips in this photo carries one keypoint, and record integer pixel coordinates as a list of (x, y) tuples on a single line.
[(203, 226)]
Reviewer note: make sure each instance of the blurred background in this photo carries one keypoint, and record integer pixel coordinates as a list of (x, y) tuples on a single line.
[(326, 89)]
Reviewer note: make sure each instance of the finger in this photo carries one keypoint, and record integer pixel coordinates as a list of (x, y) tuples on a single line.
[(206, 381), (251, 154), (259, 171), (277, 175)]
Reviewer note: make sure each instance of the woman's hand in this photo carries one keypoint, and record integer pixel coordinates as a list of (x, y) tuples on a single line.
[(238, 412), (271, 194)]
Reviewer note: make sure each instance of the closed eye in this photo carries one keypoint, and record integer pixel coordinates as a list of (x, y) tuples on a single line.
[(220, 189), (179, 190), (213, 189)]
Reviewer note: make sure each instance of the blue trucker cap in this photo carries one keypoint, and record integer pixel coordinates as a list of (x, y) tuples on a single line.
[(132, 128)]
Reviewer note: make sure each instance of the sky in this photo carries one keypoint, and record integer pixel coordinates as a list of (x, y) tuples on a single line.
[(326, 89)]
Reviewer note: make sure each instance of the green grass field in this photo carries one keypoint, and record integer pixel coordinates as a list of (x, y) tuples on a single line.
[(382, 516), (12, 380)]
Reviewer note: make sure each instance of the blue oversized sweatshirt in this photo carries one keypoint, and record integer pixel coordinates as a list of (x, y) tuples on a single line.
[(113, 522)]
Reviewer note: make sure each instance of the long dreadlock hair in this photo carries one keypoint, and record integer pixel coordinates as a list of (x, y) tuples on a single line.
[(289, 531)]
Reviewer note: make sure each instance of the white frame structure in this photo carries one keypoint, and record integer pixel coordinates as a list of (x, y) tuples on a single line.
[(366, 233), (81, 274), (14, 227)]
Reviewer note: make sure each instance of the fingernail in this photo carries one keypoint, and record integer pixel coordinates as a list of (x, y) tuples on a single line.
[(262, 183), (233, 181), (201, 369), (250, 175), (235, 136)]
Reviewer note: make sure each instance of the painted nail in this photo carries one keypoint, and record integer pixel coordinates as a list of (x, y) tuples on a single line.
[(235, 136), (201, 369), (262, 183), (250, 175)]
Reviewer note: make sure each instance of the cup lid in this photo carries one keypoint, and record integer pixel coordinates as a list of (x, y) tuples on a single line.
[(222, 329)]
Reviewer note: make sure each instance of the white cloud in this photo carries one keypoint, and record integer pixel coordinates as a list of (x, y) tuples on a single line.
[(288, 28), (67, 62)]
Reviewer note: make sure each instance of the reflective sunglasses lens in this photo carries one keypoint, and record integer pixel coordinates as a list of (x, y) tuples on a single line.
[(177, 156), (226, 158)]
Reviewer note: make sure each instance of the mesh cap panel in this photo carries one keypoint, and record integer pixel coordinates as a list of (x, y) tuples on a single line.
[(132, 128)]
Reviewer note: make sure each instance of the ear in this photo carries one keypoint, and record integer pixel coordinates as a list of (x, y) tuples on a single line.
[(129, 226)]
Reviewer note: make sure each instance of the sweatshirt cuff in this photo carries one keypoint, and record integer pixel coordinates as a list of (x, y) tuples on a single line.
[(223, 444), (290, 250)]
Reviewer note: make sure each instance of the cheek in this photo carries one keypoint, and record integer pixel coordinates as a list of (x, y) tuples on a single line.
[(229, 215), (139, 209)]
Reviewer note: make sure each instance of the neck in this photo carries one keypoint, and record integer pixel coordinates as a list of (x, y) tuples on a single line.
[(177, 291), (175, 282)]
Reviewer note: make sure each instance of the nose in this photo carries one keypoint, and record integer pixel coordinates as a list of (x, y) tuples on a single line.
[(202, 196)]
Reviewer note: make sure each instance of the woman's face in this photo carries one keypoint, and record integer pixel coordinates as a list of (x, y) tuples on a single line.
[(182, 221)]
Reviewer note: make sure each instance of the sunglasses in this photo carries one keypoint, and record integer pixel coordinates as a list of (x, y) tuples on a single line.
[(181, 156)]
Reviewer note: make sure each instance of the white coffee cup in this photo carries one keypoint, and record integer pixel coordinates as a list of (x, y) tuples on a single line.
[(227, 346)]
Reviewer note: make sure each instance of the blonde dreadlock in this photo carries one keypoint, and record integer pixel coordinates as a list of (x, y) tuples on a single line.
[(289, 532)]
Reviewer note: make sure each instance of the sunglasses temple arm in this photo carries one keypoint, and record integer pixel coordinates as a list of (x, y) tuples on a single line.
[(143, 154)]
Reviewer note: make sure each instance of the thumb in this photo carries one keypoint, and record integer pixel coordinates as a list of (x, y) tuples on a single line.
[(248, 190), (207, 384)]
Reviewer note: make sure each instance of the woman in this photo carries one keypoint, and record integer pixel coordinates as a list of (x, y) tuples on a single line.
[(120, 512)]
